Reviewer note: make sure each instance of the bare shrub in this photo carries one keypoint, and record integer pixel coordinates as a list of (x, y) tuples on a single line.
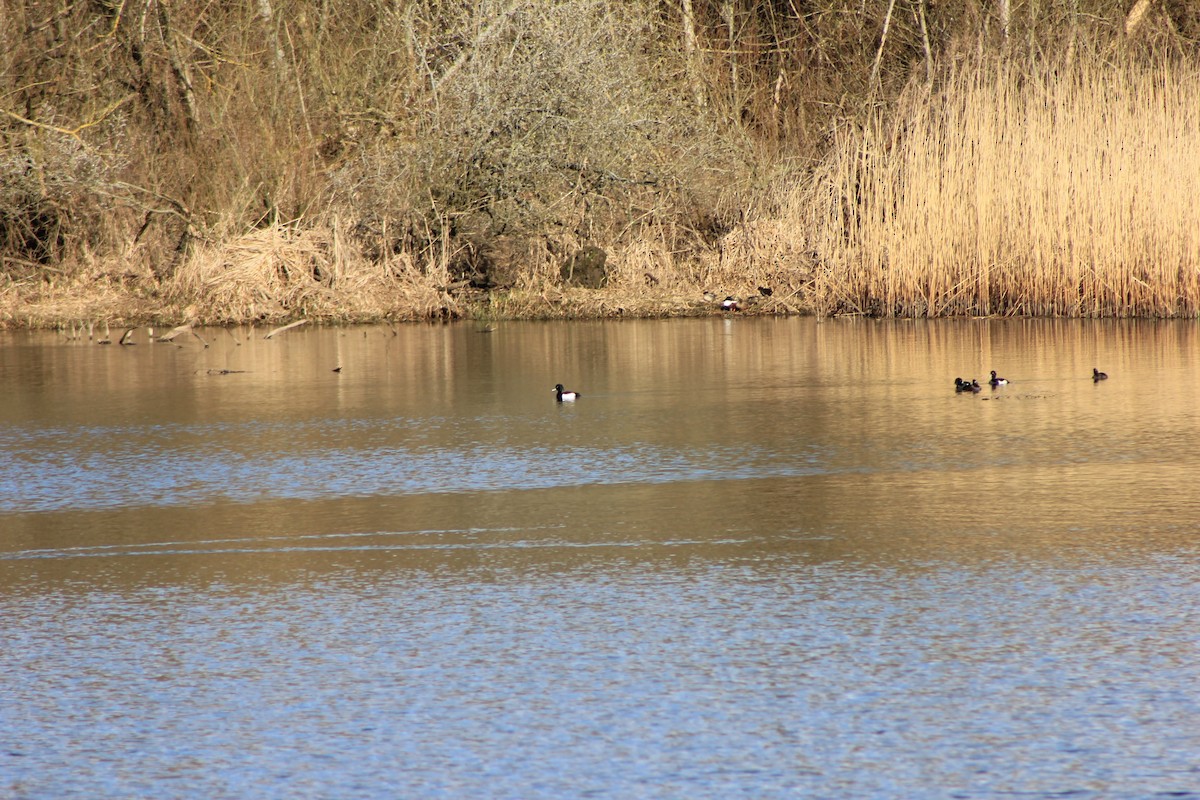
[(52, 190), (562, 121)]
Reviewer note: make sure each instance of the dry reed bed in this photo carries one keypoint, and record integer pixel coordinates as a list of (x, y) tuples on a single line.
[(1069, 193)]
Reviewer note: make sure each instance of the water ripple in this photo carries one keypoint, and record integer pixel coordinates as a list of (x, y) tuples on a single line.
[(441, 540), (53, 470)]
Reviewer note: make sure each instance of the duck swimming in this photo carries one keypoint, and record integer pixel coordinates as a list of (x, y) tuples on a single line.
[(997, 381), (966, 386), (564, 396), (1097, 375)]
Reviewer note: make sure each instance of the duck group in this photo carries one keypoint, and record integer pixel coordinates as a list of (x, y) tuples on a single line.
[(972, 386), (996, 381)]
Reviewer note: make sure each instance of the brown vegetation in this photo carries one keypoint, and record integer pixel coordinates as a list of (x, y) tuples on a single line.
[(414, 160)]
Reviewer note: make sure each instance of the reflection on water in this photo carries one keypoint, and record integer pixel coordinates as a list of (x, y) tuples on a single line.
[(759, 558)]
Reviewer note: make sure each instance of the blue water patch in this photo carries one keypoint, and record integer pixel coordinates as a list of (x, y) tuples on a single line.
[(104, 468)]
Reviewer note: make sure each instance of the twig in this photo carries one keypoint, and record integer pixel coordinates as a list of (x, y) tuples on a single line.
[(72, 132)]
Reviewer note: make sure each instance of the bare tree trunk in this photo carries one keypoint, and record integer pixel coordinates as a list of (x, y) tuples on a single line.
[(729, 14), (691, 52), (1032, 26), (1136, 15), (919, 11), (268, 18), (323, 20), (187, 94), (887, 24)]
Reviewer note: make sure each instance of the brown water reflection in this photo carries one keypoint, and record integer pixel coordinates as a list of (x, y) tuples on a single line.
[(757, 441)]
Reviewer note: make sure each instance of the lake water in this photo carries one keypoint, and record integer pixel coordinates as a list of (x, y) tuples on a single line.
[(759, 558)]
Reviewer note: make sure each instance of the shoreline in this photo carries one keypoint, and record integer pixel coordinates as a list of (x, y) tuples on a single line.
[(103, 304), (101, 298), (132, 304)]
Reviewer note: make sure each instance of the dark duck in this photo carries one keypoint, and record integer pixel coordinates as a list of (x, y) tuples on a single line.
[(564, 396)]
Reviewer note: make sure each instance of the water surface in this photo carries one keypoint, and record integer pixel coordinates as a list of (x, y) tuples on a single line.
[(758, 558)]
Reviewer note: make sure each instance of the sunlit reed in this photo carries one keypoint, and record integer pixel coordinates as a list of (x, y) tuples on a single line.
[(1063, 192)]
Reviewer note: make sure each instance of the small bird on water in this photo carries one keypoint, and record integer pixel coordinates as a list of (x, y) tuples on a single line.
[(564, 396), (1097, 375), (967, 386), (997, 381)]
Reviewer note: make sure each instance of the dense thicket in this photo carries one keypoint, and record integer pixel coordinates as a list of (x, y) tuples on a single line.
[(475, 140)]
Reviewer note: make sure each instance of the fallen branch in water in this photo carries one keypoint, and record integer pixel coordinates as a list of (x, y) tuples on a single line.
[(287, 327), (166, 337), (182, 329)]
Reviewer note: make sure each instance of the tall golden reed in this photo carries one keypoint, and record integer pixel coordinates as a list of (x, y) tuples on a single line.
[(1072, 191)]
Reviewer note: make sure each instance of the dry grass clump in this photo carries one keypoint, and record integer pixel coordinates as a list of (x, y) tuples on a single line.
[(283, 272), (1063, 192)]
